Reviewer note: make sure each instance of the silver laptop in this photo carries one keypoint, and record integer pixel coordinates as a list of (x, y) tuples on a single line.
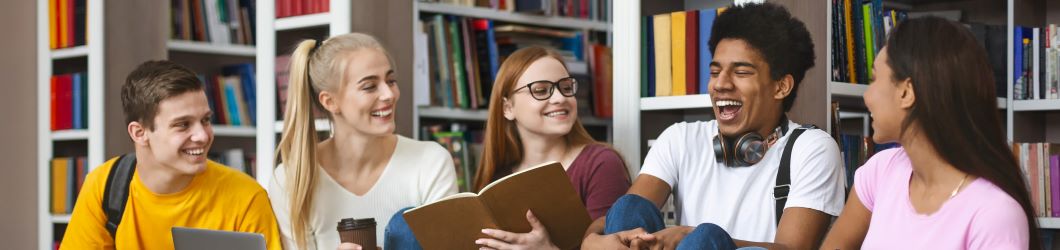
[(203, 239)]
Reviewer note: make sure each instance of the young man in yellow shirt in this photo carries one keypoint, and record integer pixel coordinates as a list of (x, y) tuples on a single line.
[(174, 185)]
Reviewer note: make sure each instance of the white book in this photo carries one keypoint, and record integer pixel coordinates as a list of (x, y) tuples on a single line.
[(218, 31), (234, 159), (420, 67), (1035, 65)]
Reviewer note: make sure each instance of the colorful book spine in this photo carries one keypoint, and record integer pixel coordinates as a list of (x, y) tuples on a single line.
[(663, 68), (678, 20)]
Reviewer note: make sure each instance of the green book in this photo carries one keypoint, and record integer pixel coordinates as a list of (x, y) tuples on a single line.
[(870, 50)]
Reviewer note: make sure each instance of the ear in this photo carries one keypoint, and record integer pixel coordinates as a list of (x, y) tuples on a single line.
[(138, 133), (329, 101), (908, 94), (509, 112), (783, 87)]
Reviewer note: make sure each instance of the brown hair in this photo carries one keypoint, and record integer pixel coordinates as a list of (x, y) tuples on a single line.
[(150, 83), (502, 147), (313, 69), (955, 98)]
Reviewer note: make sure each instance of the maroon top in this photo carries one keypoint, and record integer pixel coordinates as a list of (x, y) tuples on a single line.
[(599, 176)]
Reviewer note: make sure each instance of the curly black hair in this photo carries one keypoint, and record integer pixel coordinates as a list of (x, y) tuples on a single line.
[(779, 37)]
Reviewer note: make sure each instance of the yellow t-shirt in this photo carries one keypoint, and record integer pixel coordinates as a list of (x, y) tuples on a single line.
[(219, 198)]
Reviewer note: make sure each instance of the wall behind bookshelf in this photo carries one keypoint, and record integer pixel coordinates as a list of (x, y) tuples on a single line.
[(18, 102)]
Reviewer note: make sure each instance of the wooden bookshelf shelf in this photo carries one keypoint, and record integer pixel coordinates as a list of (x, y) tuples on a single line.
[(1049, 222), (513, 17), (212, 48), (1036, 105), (675, 102), (70, 135), (321, 124), (234, 131), (72, 52), (60, 218), (303, 21), (844, 89), (480, 115)]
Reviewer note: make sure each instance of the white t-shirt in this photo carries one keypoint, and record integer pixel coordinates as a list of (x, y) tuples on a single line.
[(419, 172), (740, 199)]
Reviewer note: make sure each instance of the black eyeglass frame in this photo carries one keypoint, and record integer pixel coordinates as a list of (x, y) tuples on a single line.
[(551, 88)]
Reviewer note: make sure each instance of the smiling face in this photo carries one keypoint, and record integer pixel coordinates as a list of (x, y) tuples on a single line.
[(365, 102), (887, 101), (552, 117), (745, 98), (182, 134)]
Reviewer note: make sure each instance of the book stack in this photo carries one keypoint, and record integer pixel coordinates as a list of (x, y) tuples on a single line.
[(860, 30), (215, 21), (1040, 163), (67, 176), (675, 56), (67, 23), (596, 10), (232, 95), (288, 8), (1036, 63), (465, 146), (69, 101)]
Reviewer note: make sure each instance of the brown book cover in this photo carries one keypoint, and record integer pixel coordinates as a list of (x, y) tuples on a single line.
[(692, 52), (455, 222)]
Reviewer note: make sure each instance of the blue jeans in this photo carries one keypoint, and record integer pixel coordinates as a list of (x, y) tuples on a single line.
[(631, 211), (398, 235)]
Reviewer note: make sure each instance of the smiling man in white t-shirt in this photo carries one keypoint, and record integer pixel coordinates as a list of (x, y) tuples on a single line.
[(725, 199)]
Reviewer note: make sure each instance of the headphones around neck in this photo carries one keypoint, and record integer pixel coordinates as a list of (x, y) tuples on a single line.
[(748, 149)]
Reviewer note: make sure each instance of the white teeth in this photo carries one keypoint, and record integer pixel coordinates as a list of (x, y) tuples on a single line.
[(382, 112), (197, 151), (555, 113), (723, 103)]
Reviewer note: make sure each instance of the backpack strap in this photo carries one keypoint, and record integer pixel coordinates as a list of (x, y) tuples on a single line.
[(783, 184), (116, 193)]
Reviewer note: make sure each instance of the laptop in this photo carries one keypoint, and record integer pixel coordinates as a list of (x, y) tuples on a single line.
[(203, 239)]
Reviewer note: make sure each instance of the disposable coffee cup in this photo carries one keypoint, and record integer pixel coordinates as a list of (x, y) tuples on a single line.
[(358, 231)]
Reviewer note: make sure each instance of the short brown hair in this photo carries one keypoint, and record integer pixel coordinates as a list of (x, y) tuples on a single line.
[(149, 84)]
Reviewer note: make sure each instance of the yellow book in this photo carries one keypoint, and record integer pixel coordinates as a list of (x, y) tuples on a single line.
[(53, 39), (63, 19), (59, 174), (722, 9), (663, 77), (678, 21)]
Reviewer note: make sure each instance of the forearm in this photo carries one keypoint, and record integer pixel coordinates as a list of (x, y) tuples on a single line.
[(597, 227)]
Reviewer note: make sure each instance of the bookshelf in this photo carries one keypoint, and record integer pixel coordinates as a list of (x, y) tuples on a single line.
[(88, 142), (425, 115)]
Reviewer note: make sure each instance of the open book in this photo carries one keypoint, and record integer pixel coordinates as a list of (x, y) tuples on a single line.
[(455, 222)]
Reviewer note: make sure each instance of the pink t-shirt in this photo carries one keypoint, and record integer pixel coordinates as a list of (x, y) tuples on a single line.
[(981, 216)]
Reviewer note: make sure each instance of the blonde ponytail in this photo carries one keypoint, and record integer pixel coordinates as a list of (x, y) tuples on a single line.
[(313, 69)]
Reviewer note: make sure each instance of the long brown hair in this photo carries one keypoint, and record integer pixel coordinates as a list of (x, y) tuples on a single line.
[(313, 69), (503, 148), (955, 101)]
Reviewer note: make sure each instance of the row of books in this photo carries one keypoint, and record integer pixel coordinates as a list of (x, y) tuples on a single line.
[(236, 158), (232, 95), (856, 149), (67, 23), (69, 101), (582, 9), (1040, 163), (67, 175), (215, 21), (1037, 63), (465, 146), (860, 29), (676, 55), (287, 8)]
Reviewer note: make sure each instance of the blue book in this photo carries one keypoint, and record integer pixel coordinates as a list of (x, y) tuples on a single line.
[(230, 102), (1017, 62), (650, 60), (245, 72), (79, 89), (706, 24)]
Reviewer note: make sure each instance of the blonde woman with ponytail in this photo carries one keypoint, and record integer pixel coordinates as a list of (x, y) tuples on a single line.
[(363, 170)]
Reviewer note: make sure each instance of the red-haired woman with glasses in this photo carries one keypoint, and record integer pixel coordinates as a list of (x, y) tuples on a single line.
[(533, 118)]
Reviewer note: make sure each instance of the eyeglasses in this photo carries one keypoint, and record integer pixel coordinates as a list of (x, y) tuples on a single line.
[(542, 90)]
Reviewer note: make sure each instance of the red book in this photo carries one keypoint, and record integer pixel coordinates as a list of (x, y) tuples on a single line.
[(70, 22), (54, 103), (692, 52), (601, 80), (65, 102), (327, 5), (279, 8), (296, 9)]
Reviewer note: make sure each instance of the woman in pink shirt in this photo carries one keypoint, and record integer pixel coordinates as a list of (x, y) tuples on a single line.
[(954, 183)]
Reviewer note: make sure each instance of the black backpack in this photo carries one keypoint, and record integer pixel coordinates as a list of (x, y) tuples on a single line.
[(116, 193)]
